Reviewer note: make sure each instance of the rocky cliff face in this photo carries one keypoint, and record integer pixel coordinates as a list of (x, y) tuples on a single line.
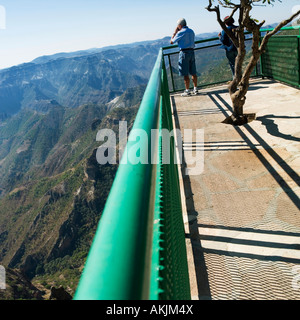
[(19, 287)]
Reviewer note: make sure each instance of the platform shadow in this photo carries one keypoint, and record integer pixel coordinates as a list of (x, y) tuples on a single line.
[(272, 127)]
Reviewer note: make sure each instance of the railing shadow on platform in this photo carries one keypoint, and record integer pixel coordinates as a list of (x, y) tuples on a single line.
[(265, 245), (283, 164)]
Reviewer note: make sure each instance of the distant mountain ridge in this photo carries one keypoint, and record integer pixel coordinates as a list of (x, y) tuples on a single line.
[(79, 53), (166, 40), (77, 79)]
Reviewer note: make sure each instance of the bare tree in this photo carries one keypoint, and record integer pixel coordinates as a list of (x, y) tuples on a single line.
[(239, 86)]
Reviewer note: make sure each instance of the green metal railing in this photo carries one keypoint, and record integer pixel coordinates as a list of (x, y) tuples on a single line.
[(211, 64), (281, 60), (169, 275), (139, 248)]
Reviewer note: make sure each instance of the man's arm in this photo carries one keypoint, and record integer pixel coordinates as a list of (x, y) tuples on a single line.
[(177, 37), (174, 34), (222, 36)]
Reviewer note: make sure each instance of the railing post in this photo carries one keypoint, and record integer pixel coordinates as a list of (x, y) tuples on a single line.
[(171, 73)]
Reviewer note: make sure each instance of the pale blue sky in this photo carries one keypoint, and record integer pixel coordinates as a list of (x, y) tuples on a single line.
[(42, 27)]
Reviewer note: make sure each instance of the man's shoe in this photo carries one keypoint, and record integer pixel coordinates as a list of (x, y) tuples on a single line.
[(195, 91), (186, 93)]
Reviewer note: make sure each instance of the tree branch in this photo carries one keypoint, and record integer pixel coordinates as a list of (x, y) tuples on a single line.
[(216, 9), (275, 30), (234, 11)]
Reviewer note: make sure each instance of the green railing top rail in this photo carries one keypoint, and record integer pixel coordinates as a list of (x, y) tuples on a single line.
[(284, 28), (116, 267)]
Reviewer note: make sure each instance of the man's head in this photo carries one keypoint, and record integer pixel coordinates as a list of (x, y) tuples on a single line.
[(181, 23), (229, 21)]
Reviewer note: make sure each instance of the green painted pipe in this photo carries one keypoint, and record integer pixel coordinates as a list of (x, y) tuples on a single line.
[(115, 265)]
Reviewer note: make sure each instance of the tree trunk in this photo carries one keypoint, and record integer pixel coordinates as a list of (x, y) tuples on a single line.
[(237, 87), (240, 84)]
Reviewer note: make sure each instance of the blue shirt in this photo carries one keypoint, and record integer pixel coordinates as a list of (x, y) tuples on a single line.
[(226, 41), (185, 38)]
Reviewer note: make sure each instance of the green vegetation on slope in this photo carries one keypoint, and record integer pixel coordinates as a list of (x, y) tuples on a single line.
[(54, 191)]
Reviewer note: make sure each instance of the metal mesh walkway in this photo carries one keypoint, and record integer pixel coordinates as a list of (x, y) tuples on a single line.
[(243, 210)]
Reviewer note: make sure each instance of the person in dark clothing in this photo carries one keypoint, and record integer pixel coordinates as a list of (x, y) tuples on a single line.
[(227, 44)]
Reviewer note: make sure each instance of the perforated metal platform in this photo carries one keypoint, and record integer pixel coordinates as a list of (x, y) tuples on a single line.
[(243, 209)]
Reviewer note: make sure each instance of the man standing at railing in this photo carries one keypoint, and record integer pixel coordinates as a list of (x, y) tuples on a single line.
[(185, 37), (227, 44)]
